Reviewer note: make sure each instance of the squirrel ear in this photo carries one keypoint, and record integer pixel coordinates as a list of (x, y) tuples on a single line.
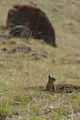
[(49, 76)]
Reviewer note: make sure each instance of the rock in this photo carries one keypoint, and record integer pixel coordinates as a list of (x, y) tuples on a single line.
[(13, 50), (38, 56), (4, 49), (23, 49), (19, 31)]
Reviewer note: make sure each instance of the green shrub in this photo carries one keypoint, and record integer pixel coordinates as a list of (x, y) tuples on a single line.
[(3, 112)]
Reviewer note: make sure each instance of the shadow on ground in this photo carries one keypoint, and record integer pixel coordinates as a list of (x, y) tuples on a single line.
[(60, 88)]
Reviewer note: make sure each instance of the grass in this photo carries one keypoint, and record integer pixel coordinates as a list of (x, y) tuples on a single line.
[(23, 78)]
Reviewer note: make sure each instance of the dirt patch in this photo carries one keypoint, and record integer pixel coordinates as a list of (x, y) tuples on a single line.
[(67, 88), (61, 88)]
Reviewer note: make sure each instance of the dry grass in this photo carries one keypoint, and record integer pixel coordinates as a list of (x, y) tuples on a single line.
[(21, 97)]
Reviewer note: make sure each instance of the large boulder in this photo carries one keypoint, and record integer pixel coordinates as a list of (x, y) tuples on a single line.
[(19, 31), (34, 19)]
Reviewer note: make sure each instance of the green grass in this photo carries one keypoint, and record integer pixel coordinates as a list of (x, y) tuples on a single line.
[(23, 79)]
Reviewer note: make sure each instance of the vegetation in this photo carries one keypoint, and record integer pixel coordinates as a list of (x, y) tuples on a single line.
[(23, 78)]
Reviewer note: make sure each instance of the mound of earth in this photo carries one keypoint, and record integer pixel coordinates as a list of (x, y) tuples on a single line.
[(67, 88)]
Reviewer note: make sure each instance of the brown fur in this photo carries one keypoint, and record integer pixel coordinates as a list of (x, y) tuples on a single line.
[(35, 19), (50, 85)]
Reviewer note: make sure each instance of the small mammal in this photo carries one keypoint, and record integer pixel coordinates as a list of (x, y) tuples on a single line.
[(50, 85)]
